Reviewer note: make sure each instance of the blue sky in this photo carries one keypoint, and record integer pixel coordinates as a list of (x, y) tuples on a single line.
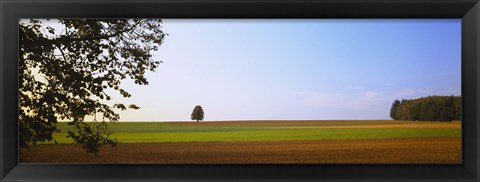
[(296, 69)]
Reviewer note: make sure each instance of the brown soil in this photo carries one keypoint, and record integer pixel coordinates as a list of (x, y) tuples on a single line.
[(426, 150), (410, 125), (282, 122)]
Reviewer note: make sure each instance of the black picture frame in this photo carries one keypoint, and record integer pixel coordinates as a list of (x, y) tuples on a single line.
[(12, 11)]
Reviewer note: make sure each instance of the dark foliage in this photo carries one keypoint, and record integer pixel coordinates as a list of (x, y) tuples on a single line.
[(197, 113), (393, 109), (432, 108), (65, 71)]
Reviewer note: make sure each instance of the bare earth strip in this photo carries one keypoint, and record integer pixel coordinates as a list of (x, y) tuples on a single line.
[(289, 122), (418, 150), (414, 125)]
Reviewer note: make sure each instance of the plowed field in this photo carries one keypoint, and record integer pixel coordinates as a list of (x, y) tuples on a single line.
[(407, 150)]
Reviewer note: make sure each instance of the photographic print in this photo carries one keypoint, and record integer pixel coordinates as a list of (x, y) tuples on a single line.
[(240, 91)]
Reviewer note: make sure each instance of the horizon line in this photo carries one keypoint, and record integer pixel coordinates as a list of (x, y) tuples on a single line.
[(251, 120)]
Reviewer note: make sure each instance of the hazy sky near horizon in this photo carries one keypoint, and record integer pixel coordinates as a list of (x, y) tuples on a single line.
[(296, 69)]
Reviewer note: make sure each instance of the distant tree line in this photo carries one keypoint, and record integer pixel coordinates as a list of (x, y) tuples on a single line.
[(431, 108)]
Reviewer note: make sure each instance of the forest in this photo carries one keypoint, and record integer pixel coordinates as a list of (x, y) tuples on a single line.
[(431, 108)]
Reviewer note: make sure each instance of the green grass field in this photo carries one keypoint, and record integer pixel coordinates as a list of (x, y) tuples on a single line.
[(139, 132)]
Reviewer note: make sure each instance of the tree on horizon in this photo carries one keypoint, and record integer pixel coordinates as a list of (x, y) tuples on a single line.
[(393, 110), (197, 113), (431, 108)]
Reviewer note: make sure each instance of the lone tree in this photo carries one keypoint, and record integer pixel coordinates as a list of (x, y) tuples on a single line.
[(197, 113), (66, 68)]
